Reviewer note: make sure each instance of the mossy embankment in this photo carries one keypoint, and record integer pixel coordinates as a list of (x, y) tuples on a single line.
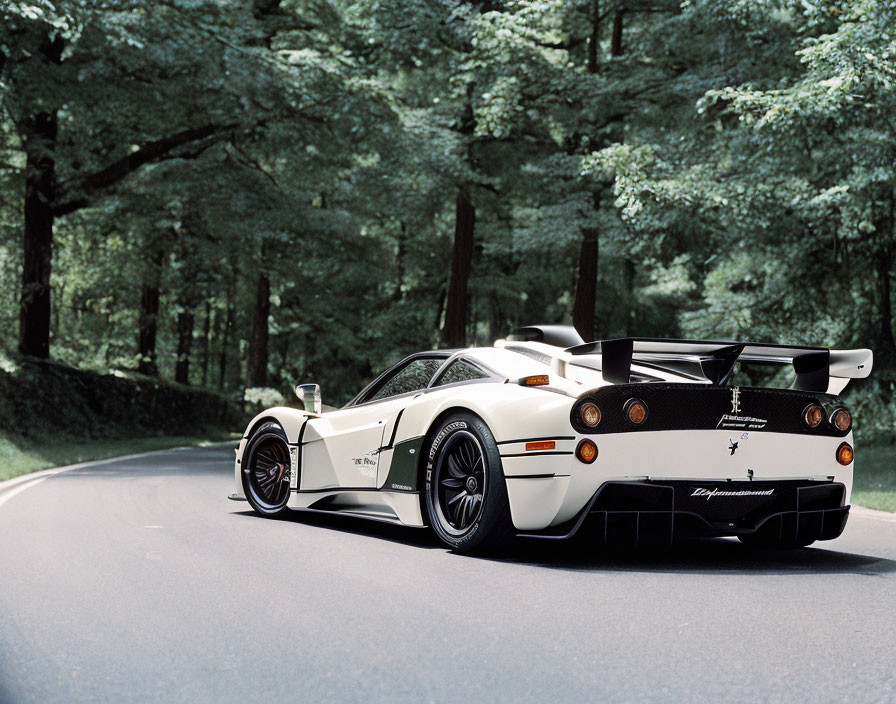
[(52, 414)]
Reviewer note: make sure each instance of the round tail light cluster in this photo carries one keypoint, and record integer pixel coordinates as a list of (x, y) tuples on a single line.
[(814, 416), (590, 414), (586, 451), (845, 454), (635, 411), (586, 415), (841, 420)]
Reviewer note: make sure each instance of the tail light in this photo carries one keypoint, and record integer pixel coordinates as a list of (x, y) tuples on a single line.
[(586, 451), (813, 415), (845, 454), (635, 411), (590, 414), (841, 420)]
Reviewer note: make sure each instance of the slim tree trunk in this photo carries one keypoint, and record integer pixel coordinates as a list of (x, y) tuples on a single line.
[(594, 39), (884, 266), (184, 346), (229, 343), (257, 365), (148, 321), (586, 285), (586, 281), (454, 333), (40, 191), (616, 48), (397, 293), (206, 344)]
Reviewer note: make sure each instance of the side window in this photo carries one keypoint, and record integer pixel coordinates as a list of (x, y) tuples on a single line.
[(460, 371), (414, 376)]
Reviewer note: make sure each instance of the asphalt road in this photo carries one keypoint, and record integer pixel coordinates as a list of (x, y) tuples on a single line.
[(137, 580)]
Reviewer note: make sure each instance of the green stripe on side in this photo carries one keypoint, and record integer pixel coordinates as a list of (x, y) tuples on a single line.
[(403, 470)]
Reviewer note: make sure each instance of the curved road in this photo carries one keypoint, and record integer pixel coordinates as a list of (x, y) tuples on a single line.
[(137, 580)]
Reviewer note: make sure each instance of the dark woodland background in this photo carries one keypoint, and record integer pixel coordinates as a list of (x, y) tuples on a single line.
[(239, 196)]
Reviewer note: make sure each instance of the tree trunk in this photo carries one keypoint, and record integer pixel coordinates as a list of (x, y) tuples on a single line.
[(586, 285), (594, 39), (884, 272), (206, 344), (40, 132), (616, 40), (257, 372), (226, 340), (184, 346), (454, 333), (40, 191), (397, 293), (148, 320)]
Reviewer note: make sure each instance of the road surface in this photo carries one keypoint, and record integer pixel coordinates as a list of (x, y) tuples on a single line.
[(137, 580)]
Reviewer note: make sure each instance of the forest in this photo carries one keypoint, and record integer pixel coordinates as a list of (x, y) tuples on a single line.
[(240, 196)]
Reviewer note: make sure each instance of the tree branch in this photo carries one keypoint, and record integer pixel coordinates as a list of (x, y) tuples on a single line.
[(150, 152)]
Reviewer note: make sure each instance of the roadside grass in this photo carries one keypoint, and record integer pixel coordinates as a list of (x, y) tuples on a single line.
[(874, 481), (18, 456)]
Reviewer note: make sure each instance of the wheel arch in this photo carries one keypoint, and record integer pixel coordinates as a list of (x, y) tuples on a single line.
[(290, 419)]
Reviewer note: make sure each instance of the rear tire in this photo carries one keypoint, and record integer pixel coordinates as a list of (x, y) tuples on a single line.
[(465, 491), (266, 469)]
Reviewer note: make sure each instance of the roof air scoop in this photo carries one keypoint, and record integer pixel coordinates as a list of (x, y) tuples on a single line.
[(555, 335)]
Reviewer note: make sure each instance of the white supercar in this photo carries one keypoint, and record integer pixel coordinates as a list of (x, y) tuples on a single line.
[(630, 441)]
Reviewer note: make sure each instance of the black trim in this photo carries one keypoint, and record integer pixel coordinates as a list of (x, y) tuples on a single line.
[(813, 371), (536, 453), (716, 358), (299, 454), (616, 360), (673, 406), (535, 476), (635, 512), (334, 490), (718, 368), (556, 335), (553, 437), (394, 430)]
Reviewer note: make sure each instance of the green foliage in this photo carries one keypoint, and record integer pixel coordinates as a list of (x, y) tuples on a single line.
[(737, 160)]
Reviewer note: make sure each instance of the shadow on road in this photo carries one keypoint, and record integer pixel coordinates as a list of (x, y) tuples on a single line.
[(712, 556)]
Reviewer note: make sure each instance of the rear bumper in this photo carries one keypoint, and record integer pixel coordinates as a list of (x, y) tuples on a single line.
[(632, 513)]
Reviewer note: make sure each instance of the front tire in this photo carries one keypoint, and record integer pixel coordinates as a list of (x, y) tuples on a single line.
[(466, 494), (266, 470)]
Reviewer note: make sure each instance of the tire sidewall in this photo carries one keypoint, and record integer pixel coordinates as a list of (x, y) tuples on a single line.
[(262, 433), (494, 499)]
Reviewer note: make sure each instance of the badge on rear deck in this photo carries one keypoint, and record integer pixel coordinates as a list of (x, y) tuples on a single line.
[(738, 421)]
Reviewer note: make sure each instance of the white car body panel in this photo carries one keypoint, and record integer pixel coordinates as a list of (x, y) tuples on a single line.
[(366, 459)]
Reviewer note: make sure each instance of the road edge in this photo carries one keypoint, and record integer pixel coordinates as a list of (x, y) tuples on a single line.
[(10, 484)]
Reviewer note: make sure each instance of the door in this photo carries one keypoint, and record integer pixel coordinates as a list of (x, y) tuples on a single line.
[(341, 449)]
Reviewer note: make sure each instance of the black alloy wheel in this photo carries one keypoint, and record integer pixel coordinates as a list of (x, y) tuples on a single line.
[(460, 478), (266, 470), (466, 494)]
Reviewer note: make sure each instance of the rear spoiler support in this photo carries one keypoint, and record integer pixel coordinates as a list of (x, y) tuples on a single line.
[(817, 368)]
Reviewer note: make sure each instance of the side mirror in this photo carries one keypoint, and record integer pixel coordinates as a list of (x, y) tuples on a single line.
[(309, 395)]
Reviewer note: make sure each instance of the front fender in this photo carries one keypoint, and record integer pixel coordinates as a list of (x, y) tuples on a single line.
[(290, 419)]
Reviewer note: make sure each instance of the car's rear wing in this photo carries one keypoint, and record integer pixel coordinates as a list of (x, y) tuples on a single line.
[(817, 368)]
